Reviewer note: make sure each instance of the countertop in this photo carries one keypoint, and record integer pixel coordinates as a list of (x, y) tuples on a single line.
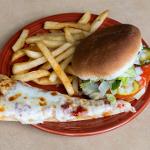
[(14, 14)]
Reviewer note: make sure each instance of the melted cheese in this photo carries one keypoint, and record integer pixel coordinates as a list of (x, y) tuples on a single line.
[(32, 106)]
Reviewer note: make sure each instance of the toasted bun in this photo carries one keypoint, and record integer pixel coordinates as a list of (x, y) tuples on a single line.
[(108, 53)]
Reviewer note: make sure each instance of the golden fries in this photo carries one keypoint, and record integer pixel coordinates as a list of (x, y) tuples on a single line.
[(63, 65), (69, 70), (32, 54), (46, 81), (21, 40), (18, 54), (61, 49), (60, 73), (98, 21), (61, 25), (29, 76), (85, 18), (68, 36), (46, 50), (75, 85), (59, 58), (23, 66), (53, 44)]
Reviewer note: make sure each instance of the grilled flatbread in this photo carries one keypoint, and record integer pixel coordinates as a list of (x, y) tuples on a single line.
[(29, 105)]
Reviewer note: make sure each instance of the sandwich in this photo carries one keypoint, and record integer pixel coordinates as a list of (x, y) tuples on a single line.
[(110, 64)]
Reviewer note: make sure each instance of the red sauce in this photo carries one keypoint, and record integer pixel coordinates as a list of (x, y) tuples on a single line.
[(120, 105), (79, 110), (66, 105)]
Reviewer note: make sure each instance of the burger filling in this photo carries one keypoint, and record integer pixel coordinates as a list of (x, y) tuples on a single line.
[(130, 85)]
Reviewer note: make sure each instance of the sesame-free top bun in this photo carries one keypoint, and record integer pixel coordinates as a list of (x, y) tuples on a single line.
[(107, 53)]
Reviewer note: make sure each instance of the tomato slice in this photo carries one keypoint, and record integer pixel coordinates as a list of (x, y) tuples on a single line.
[(146, 72)]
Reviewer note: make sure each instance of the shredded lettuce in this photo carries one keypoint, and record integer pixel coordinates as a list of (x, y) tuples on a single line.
[(111, 98), (116, 84), (90, 88), (130, 73), (103, 87)]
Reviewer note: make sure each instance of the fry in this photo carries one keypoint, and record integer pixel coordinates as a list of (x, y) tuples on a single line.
[(75, 31), (75, 85), (59, 58), (31, 75), (68, 36), (69, 70), (46, 36), (78, 36), (53, 44), (63, 65), (32, 54), (60, 73), (55, 31), (61, 49), (85, 18), (19, 67), (98, 21), (18, 54), (58, 25), (46, 81), (21, 40)]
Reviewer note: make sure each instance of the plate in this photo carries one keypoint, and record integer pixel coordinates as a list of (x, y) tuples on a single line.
[(77, 128)]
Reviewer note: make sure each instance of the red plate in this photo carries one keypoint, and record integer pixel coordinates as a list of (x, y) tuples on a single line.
[(78, 128)]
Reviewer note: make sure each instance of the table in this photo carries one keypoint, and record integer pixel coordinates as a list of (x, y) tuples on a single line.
[(14, 14)]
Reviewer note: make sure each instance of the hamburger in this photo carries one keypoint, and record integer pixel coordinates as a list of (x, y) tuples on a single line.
[(109, 63)]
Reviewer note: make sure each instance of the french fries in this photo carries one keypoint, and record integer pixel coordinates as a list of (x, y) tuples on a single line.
[(23, 66), (75, 85), (53, 50), (21, 40), (53, 44), (46, 81), (85, 18), (60, 73), (47, 36), (18, 54), (61, 49), (63, 65), (98, 21), (32, 54), (29, 76), (58, 25), (60, 57), (68, 36), (69, 70)]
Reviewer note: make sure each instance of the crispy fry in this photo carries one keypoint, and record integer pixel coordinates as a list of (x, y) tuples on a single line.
[(69, 70), (60, 73), (75, 85), (58, 25), (98, 21), (46, 36), (55, 31), (60, 57), (68, 36), (53, 44), (25, 77), (19, 67), (85, 18), (21, 40), (46, 81), (79, 36), (61, 49), (18, 54), (32, 54), (75, 31), (63, 65)]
